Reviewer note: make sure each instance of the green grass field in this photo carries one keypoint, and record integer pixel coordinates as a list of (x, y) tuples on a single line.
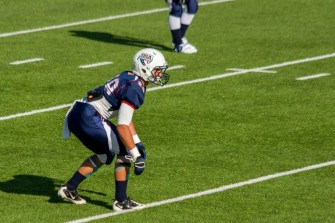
[(256, 121)]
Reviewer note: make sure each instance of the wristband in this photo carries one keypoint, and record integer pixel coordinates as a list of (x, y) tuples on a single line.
[(134, 153), (136, 139)]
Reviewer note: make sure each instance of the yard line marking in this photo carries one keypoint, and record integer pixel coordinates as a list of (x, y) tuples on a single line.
[(211, 191), (100, 19), (175, 67), (215, 77), (35, 112), (219, 76), (312, 76), (309, 59), (26, 61), (95, 64), (256, 71)]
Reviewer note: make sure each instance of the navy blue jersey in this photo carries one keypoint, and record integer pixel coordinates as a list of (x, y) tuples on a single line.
[(124, 87), (88, 118)]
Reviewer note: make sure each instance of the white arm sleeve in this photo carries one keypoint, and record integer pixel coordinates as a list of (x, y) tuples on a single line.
[(125, 114)]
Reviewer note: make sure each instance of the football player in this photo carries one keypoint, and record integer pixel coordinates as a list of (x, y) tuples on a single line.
[(88, 120), (179, 21)]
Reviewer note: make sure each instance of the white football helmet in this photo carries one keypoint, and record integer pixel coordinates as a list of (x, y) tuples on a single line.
[(150, 65)]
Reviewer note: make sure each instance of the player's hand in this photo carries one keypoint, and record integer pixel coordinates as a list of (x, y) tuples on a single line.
[(139, 165), (142, 151)]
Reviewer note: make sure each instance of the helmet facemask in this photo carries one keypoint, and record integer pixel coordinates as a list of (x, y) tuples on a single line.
[(158, 76)]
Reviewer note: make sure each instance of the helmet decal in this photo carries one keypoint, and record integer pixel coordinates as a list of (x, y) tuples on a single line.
[(145, 58)]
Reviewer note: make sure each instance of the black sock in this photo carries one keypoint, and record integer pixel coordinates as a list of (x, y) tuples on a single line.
[(183, 29), (74, 182), (121, 190), (176, 36)]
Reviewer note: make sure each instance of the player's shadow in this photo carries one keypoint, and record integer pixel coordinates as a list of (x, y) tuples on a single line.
[(123, 40), (42, 186)]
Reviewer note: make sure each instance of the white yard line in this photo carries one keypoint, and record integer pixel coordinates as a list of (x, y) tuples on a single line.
[(34, 112), (256, 71), (175, 67), (211, 191), (215, 77), (26, 61), (95, 64), (127, 15), (312, 76)]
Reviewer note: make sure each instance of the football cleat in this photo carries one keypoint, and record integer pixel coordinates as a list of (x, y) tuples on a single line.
[(185, 48), (127, 204), (183, 41), (70, 195)]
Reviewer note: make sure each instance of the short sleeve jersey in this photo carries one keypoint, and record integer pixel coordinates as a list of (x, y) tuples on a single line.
[(125, 87)]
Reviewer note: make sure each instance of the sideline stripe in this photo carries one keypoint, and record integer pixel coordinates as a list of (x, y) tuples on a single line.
[(211, 191), (26, 61), (312, 76), (215, 77), (100, 20)]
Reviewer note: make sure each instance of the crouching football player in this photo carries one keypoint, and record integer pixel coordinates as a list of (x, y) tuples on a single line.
[(88, 120)]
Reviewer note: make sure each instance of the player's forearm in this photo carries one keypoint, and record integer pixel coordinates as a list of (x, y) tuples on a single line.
[(126, 136), (132, 128), (134, 134), (127, 139)]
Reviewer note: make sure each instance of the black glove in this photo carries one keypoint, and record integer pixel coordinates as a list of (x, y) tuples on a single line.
[(142, 151), (139, 165)]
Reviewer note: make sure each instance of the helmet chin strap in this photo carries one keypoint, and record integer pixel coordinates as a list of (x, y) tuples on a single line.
[(145, 83), (134, 72)]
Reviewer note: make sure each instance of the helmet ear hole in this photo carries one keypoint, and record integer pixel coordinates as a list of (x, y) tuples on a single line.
[(144, 71)]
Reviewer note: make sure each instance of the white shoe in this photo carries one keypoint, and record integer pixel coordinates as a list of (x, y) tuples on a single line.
[(127, 204), (183, 41), (186, 48), (70, 195)]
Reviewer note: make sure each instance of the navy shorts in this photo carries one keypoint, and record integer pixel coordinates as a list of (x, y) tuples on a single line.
[(96, 133)]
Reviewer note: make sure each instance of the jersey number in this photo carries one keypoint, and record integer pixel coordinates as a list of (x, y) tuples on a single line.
[(112, 85)]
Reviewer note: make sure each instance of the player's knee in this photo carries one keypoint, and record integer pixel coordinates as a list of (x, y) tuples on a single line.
[(122, 164), (192, 6), (176, 9), (95, 163), (106, 158)]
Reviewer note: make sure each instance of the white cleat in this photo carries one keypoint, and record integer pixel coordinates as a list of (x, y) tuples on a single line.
[(70, 195), (127, 204), (183, 41), (186, 48)]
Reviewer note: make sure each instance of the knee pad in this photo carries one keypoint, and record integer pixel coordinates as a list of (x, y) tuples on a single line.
[(192, 6), (122, 163), (95, 165), (106, 158), (176, 8)]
